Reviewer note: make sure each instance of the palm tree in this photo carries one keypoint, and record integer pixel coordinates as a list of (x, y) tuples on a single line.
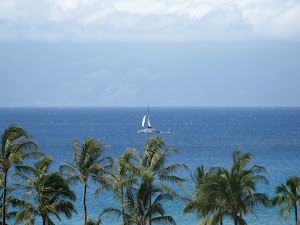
[(86, 164), (120, 178), (153, 166), (138, 210), (9, 214), (48, 192), (233, 190), (197, 201), (288, 194), (15, 147), (240, 163)]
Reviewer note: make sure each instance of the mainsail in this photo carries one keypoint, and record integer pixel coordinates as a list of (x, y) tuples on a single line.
[(143, 122), (149, 124)]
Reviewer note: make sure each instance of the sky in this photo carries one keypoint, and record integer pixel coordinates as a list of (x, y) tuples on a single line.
[(76, 53)]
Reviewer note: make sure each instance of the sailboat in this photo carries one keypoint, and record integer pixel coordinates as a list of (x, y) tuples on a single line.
[(149, 128)]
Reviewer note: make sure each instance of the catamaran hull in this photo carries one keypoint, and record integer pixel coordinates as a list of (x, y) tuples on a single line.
[(148, 130)]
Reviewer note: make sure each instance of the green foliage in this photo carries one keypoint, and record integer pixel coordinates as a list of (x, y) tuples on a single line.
[(234, 189), (151, 170), (153, 165), (91, 222), (288, 194), (196, 200), (231, 192), (87, 163), (120, 178), (140, 182), (138, 210), (50, 194), (15, 147)]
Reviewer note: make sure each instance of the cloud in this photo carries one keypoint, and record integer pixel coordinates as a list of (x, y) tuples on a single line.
[(98, 75), (277, 21), (154, 20), (68, 4)]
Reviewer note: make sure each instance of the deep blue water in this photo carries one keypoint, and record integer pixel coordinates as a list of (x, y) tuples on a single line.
[(205, 136)]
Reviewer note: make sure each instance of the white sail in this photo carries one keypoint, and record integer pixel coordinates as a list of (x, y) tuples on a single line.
[(143, 122), (149, 129)]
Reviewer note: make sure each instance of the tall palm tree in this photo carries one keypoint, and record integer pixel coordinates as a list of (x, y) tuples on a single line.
[(197, 201), (153, 168), (138, 210), (50, 194), (120, 178), (86, 164), (241, 162), (9, 214), (234, 190), (15, 147), (289, 195)]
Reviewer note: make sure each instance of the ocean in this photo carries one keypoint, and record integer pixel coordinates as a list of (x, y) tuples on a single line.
[(205, 136)]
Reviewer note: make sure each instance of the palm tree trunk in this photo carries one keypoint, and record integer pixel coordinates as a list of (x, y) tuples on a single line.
[(235, 219), (221, 220), (149, 210), (122, 202), (4, 196), (84, 205), (296, 216), (44, 220)]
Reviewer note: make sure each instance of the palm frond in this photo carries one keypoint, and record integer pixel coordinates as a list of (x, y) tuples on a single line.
[(24, 214), (173, 168), (65, 207), (113, 211), (91, 222), (163, 220)]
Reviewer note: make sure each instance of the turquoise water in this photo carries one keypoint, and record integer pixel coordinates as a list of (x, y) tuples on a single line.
[(205, 136)]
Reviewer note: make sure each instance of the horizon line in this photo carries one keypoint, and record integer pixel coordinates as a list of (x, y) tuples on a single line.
[(155, 106)]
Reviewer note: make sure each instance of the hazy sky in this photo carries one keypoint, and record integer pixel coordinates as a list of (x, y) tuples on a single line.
[(157, 52)]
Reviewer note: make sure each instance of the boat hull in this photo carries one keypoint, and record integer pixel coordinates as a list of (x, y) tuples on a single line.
[(148, 130)]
